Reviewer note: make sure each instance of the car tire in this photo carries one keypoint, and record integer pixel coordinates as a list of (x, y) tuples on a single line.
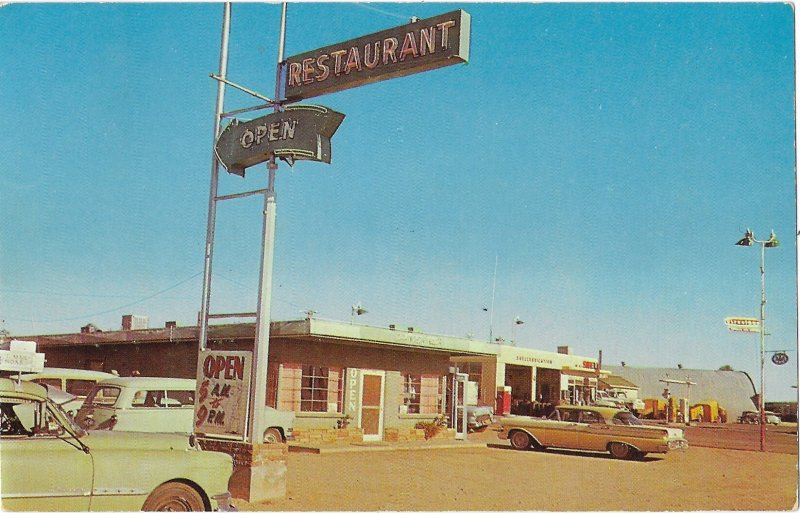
[(621, 451), (273, 436), (521, 441), (174, 497)]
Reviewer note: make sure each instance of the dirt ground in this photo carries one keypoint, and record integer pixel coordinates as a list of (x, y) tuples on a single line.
[(500, 478)]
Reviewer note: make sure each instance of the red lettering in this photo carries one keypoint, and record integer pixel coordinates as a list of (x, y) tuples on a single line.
[(203, 391), (294, 74), (325, 70), (202, 413), (219, 366), (337, 67), (229, 367), (409, 47), (208, 367), (308, 71), (238, 364)]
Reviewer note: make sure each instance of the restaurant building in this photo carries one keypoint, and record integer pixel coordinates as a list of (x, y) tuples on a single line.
[(345, 379)]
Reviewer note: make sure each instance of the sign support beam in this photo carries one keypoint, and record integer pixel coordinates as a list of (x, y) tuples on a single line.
[(212, 198), (258, 390)]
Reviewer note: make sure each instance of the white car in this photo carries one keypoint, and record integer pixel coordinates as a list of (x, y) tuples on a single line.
[(164, 405), (76, 382)]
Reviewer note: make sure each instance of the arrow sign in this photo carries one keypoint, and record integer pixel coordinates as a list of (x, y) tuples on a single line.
[(301, 132)]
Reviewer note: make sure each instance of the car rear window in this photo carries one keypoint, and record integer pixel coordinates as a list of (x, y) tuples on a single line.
[(180, 397), (53, 382), (103, 396), (80, 387), (591, 417), (163, 398), (626, 418)]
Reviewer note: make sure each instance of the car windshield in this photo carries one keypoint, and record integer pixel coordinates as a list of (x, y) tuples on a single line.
[(24, 417), (626, 418), (67, 419), (103, 396)]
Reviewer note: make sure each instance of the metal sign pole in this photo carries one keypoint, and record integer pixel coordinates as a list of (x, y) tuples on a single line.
[(212, 198), (258, 390)]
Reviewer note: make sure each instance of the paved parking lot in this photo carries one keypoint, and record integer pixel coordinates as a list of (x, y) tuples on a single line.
[(499, 478)]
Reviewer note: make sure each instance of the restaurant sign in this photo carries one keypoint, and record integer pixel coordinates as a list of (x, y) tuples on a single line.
[(418, 46), (223, 391), (300, 132)]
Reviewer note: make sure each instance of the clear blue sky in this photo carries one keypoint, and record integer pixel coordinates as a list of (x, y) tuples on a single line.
[(608, 155)]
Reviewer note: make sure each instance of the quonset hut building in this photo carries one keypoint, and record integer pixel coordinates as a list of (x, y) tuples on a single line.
[(733, 390)]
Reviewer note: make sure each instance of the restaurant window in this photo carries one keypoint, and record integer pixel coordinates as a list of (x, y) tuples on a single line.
[(421, 393), (412, 392), (310, 388)]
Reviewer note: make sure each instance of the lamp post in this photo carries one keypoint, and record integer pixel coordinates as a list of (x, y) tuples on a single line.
[(772, 242), (356, 309), (517, 322)]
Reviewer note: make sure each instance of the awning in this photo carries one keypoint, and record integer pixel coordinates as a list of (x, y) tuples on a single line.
[(588, 373)]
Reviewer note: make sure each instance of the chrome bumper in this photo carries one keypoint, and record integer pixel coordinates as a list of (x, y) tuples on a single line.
[(223, 501)]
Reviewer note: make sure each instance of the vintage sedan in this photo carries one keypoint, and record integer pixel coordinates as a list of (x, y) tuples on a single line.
[(159, 405), (591, 428), (48, 463)]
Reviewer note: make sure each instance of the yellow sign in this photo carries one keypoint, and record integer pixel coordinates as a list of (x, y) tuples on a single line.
[(746, 324)]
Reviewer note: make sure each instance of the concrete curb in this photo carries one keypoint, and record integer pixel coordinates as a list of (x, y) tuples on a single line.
[(365, 447)]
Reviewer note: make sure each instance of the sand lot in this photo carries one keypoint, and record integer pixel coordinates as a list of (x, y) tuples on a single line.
[(500, 478)]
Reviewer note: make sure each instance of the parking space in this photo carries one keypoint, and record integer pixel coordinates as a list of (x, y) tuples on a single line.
[(500, 478)]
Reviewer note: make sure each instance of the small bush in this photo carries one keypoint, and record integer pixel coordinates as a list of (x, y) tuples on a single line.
[(433, 427)]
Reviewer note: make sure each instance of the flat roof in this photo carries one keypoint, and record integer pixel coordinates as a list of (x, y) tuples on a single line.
[(330, 331)]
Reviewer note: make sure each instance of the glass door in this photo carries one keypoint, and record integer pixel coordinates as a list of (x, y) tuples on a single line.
[(371, 420)]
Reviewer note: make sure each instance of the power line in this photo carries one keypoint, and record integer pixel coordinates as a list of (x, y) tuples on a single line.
[(141, 300), (370, 8)]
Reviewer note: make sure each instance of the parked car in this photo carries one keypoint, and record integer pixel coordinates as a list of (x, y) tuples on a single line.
[(49, 463), (591, 428), (752, 417), (618, 399), (77, 382), (158, 405), (772, 418), (479, 418)]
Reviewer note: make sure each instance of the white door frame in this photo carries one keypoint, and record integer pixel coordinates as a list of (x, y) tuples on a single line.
[(365, 372)]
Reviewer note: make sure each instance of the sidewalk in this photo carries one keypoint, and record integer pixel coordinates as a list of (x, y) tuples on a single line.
[(474, 440)]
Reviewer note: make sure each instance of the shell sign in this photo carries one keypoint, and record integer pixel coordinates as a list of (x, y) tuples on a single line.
[(223, 391)]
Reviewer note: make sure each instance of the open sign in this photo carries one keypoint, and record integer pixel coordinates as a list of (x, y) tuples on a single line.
[(223, 392)]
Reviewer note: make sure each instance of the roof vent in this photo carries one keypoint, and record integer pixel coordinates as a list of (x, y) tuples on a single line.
[(90, 328), (134, 322)]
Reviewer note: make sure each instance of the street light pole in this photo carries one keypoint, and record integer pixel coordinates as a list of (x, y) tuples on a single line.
[(772, 242)]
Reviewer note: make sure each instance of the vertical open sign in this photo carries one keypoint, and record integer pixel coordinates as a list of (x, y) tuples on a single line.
[(222, 395)]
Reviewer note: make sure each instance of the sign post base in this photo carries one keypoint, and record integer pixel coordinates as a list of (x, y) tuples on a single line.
[(259, 470)]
